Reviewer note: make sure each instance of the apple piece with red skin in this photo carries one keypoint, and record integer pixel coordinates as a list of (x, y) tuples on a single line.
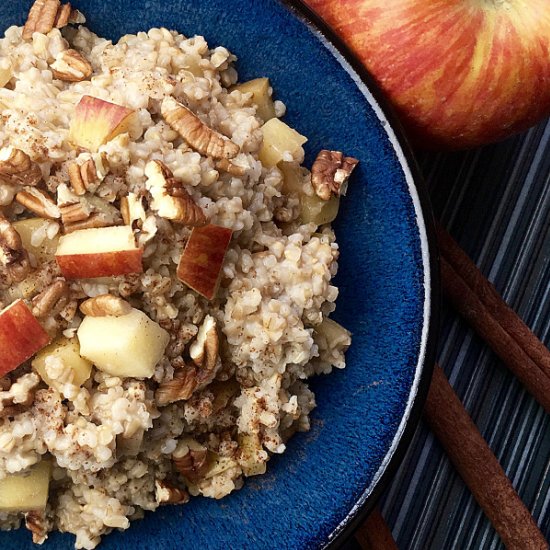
[(202, 259), (97, 122), (460, 73), (21, 336), (99, 252)]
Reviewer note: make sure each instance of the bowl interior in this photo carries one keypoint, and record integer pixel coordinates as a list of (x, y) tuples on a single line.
[(383, 278)]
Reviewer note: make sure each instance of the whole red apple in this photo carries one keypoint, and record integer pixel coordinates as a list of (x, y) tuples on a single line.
[(460, 73)]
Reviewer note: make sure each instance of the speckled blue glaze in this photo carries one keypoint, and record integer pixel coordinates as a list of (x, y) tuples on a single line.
[(308, 492)]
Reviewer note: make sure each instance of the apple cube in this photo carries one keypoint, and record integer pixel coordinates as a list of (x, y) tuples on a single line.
[(99, 252), (35, 230), (127, 346), (279, 139), (21, 336), (202, 259), (293, 178), (251, 456), (6, 71), (97, 122), (260, 88), (68, 353), (316, 210), (26, 491), (335, 334)]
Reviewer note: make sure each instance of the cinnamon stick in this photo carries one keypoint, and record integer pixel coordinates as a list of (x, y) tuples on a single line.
[(475, 298), (374, 533), (479, 467)]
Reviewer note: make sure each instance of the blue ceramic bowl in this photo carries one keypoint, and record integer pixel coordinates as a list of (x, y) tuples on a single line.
[(316, 492)]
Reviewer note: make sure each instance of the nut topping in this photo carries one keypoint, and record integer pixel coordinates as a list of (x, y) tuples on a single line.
[(37, 524), (196, 133), (19, 396), (192, 463), (17, 168), (82, 177), (51, 300), (38, 202), (204, 350), (13, 255), (181, 388), (169, 494), (330, 173), (131, 209), (44, 15), (170, 200), (105, 305), (227, 166), (71, 66)]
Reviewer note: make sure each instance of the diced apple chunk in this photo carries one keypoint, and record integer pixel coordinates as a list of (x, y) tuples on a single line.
[(6, 71), (293, 178), (76, 370), (202, 260), (127, 346), (34, 236), (317, 211), (97, 122), (279, 139), (99, 252), (251, 457), (21, 336), (335, 334), (261, 97), (26, 491)]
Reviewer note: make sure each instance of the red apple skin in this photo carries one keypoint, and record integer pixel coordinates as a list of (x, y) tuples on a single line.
[(102, 264), (460, 73), (202, 260), (21, 336)]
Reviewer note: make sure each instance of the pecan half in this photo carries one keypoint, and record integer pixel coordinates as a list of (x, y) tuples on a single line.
[(38, 202), (170, 199), (13, 255), (51, 300), (17, 168), (82, 177), (196, 133), (165, 493), (71, 66), (105, 305), (192, 464), (204, 350), (44, 15), (330, 173), (37, 524)]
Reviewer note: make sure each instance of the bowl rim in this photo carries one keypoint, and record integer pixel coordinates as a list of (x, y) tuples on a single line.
[(368, 499)]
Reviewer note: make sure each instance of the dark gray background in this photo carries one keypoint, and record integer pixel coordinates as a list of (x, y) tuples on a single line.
[(495, 201)]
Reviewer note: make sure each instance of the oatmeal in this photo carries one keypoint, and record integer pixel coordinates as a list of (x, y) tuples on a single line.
[(165, 275)]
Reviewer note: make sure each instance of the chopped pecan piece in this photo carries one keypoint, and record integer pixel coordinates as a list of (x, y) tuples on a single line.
[(38, 202), (191, 463), (93, 220), (17, 168), (71, 66), (204, 350), (71, 213), (170, 200), (105, 305), (51, 300), (181, 388), (82, 177), (165, 493), (37, 524), (44, 15), (231, 168), (132, 209), (196, 133), (330, 173), (13, 255)]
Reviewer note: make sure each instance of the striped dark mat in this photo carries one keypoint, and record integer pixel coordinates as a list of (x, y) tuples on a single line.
[(495, 201)]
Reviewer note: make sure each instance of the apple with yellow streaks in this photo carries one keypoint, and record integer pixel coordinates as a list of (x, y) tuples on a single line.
[(460, 73), (97, 122)]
